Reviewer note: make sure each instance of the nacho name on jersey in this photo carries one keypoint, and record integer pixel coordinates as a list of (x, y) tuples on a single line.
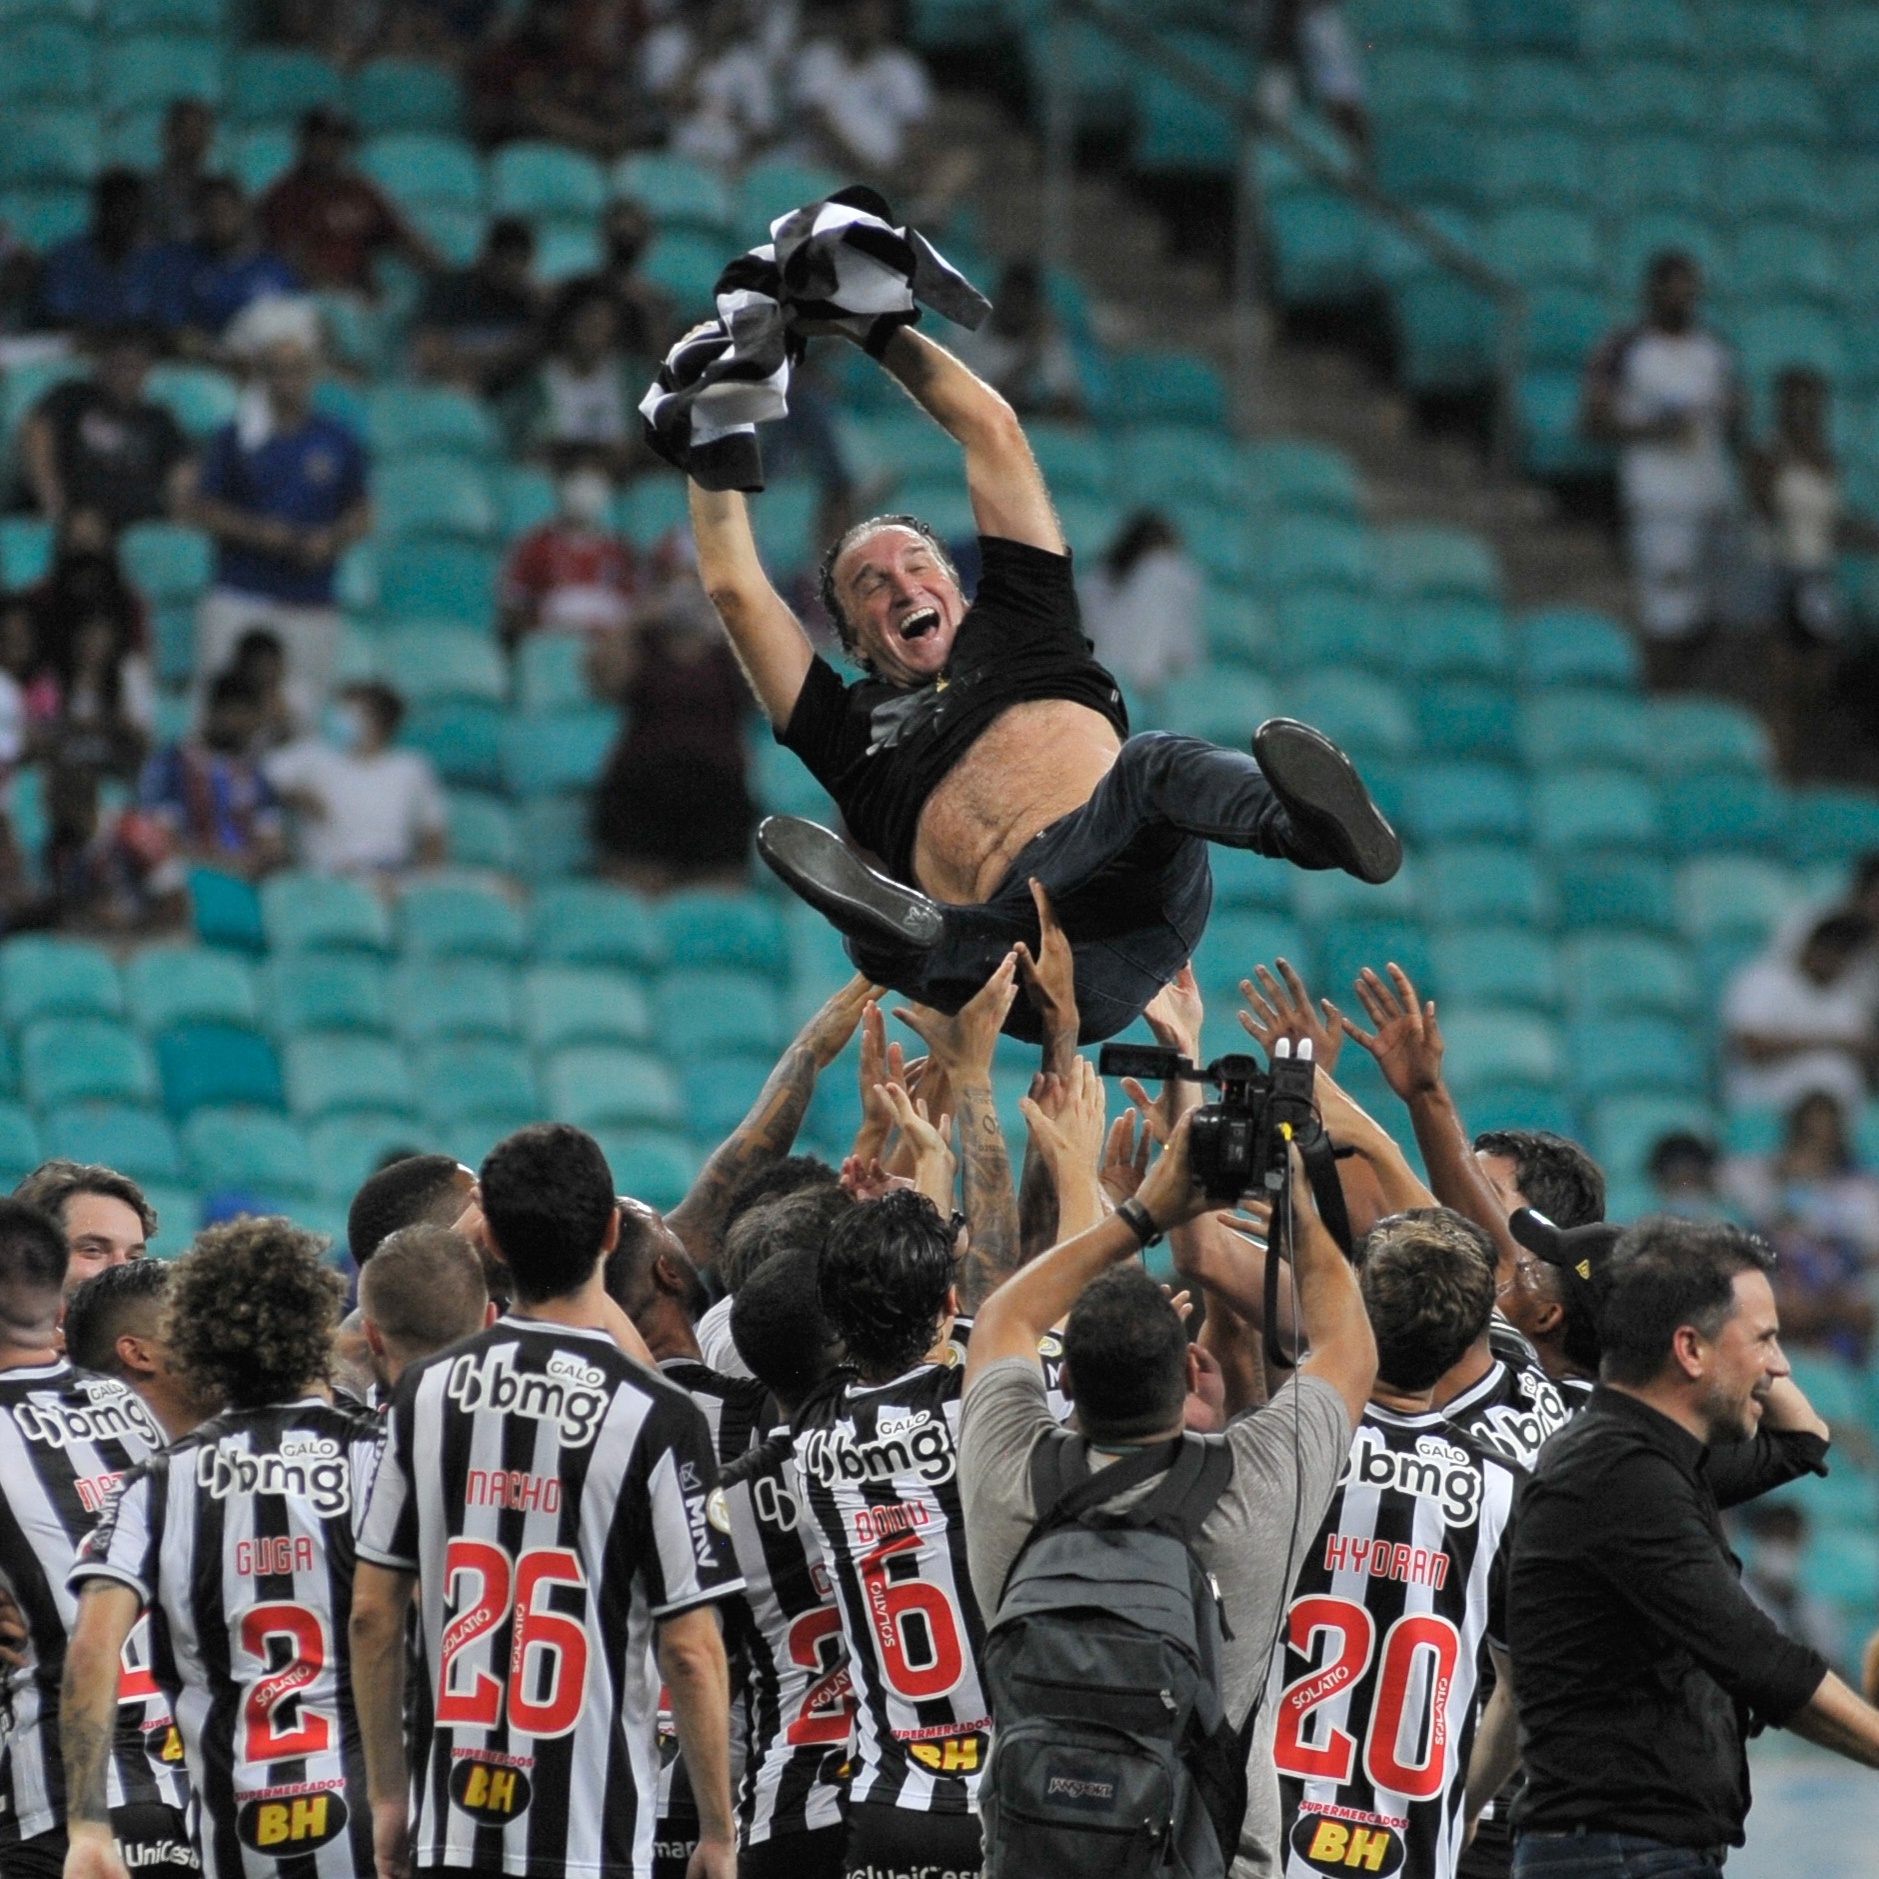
[(311, 1468), (79, 1409), (915, 1443), (570, 1392), (1436, 1470)]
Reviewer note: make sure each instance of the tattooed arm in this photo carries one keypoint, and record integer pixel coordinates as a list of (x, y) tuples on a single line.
[(107, 1609), (962, 1045), (766, 1134)]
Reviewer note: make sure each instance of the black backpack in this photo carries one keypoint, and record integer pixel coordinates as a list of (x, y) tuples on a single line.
[(1112, 1757)]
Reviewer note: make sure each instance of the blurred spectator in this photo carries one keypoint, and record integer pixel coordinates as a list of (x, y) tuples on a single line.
[(672, 805), (1141, 604), (1682, 1168), (642, 314), (475, 326), (20, 272), (206, 799), (206, 282), (573, 573), (1665, 392), (554, 75), (105, 276), (722, 100), (1021, 351), (443, 30), (328, 219), (100, 860), (283, 491), (1310, 40), (172, 188), (98, 443), (1799, 1019), (360, 806), (1820, 1213), (260, 663), (85, 590), (864, 95), (584, 395), (1777, 1532)]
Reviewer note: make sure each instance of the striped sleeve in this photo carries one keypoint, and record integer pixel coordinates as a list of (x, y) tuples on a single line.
[(122, 1545), (389, 1536), (690, 1561)]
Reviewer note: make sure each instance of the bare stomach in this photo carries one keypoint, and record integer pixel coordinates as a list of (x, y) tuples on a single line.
[(1032, 764)]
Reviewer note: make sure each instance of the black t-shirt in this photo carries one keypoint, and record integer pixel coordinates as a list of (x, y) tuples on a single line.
[(111, 457), (880, 750), (476, 308)]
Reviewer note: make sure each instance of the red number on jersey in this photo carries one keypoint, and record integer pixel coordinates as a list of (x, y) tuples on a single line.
[(1417, 1635), (823, 1717), (477, 1705), (915, 1627), (136, 1683), (1333, 1759), (263, 1739), (545, 1644)]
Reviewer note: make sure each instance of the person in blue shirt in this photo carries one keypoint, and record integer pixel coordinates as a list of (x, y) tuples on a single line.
[(283, 491), (107, 276), (205, 283)]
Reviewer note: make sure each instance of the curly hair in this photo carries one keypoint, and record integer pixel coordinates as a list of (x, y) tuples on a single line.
[(252, 1311), (887, 1269)]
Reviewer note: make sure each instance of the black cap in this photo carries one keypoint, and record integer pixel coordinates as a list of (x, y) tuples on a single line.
[(1581, 1256)]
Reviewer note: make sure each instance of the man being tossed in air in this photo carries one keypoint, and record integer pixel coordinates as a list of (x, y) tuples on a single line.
[(984, 748)]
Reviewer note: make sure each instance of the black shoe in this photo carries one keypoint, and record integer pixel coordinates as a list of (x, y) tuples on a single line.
[(1325, 800), (816, 864)]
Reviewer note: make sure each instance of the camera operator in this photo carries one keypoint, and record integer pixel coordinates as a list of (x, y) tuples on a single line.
[(1639, 1662)]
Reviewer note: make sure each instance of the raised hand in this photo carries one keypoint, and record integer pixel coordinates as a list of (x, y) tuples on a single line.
[(1279, 1006), (962, 1042), (1125, 1158), (1069, 1132), (1049, 979), (827, 1033), (933, 1166), (1407, 1042), (1175, 1014)]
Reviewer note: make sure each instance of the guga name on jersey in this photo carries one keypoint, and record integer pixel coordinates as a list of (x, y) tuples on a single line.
[(917, 1444), (1434, 1470), (570, 1392), (311, 1468), (110, 1412)]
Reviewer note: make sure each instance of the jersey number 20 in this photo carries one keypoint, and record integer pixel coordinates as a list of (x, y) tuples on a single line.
[(546, 1682)]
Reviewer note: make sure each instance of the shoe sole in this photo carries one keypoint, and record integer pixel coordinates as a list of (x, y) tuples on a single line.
[(818, 867), (1320, 785)]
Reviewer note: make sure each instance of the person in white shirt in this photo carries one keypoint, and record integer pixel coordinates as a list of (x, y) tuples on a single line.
[(1141, 605), (1799, 1019), (1666, 393), (863, 94), (360, 806)]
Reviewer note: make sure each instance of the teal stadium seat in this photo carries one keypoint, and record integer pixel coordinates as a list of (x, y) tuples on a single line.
[(1707, 812), (563, 750), (675, 191), (407, 420), (1726, 894), (773, 187), (1412, 22), (1320, 247), (1522, 1106), (544, 179), (652, 1165), (1488, 1048), (261, 155), (582, 1005), (1451, 637), (555, 836), (1625, 1128), (440, 580), (1829, 823), (1653, 1055), (1614, 890), (199, 397), (330, 1072), (1447, 333), (1238, 628), (55, 145), (1771, 179), (1706, 734), (186, 16), (153, 68), (225, 910), (550, 674), (482, 831), (1317, 628), (1343, 949), (1564, 325), (1433, 161), (320, 913), (1569, 645), (1423, 81), (393, 94), (462, 738), (1591, 726), (342, 1151), (270, 82), (1611, 28), (91, 1059), (1485, 965), (25, 550), (43, 977), (459, 920), (1167, 387), (1416, 561), (170, 985), (1605, 809), (432, 664), (1223, 706), (1761, 103), (327, 991), (20, 1148), (1320, 551), (1544, 244), (1323, 896), (1157, 464), (1075, 461), (1177, 131), (1363, 715), (1236, 942), (204, 1065), (136, 1141), (1773, 339), (1529, 91), (525, 498), (719, 1090), (1244, 879), (46, 62), (1446, 802), (583, 923), (1653, 94), (167, 564), (1293, 473), (1478, 882), (1775, 260), (433, 495), (1612, 973), (425, 167), (44, 216), (698, 1012), (435, 999), (1660, 171), (705, 928), (607, 1086), (1538, 166), (1759, 32), (248, 1151)]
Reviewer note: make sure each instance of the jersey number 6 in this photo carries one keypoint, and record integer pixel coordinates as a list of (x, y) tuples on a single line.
[(546, 1682)]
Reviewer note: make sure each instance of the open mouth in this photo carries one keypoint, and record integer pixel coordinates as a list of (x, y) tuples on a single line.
[(919, 623)]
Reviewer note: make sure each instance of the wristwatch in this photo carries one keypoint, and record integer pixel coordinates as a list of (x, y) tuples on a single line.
[(1139, 1221)]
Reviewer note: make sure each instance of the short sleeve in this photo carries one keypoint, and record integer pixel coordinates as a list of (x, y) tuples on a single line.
[(1003, 1415), (293, 766), (1290, 1452), (816, 722), (689, 1560), (430, 815), (389, 1537), (122, 1546)]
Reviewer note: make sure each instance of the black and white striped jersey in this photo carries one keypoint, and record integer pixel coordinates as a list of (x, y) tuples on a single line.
[(240, 1538), (737, 1410), (556, 1500), (67, 1438), (1511, 1409), (1373, 1678), (879, 1465), (1049, 1355), (798, 1696)]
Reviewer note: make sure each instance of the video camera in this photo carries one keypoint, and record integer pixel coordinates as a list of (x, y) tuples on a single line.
[(1238, 1145)]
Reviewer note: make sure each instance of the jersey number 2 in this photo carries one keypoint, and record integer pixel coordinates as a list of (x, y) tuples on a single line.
[(822, 1718), (267, 1733), (546, 1682), (1422, 1772)]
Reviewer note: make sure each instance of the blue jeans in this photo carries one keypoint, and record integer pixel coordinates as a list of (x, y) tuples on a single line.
[(1585, 1855), (1128, 876)]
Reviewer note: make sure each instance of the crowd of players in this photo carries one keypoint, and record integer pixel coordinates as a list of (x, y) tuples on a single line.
[(591, 1541)]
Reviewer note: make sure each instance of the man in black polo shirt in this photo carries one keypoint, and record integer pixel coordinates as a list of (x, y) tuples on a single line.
[(1639, 1663), (984, 749)]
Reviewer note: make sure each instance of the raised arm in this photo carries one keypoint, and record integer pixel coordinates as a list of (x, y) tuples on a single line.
[(1002, 478), (767, 638)]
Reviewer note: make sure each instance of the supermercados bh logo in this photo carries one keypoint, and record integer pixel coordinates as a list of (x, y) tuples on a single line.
[(86, 1409), (493, 1789), (311, 1468), (1341, 1840), (1434, 1471), (281, 1822), (916, 1444), (570, 1392)]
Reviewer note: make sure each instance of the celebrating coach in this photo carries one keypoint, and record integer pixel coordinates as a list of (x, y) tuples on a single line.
[(1639, 1663)]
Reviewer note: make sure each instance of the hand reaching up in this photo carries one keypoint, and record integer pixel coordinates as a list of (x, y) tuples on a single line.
[(1279, 1006), (1407, 1042)]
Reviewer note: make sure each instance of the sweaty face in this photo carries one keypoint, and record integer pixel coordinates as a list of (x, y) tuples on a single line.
[(1745, 1362), (100, 1231), (904, 606)]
